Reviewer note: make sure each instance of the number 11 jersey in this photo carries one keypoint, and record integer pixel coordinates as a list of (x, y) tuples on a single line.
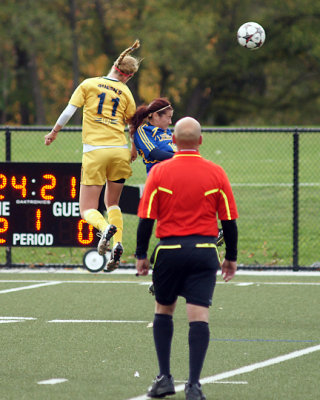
[(107, 106)]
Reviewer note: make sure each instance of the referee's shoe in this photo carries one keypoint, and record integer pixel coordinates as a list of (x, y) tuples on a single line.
[(194, 392), (162, 386)]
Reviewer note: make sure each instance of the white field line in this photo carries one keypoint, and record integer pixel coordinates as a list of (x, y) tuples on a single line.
[(278, 273), (224, 382), (246, 369), (232, 382), (144, 283), (99, 321), (52, 381), (293, 283), (22, 318), (30, 287), (93, 282), (10, 320), (273, 283)]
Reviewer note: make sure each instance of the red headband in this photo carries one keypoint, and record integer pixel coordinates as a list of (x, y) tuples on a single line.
[(120, 72)]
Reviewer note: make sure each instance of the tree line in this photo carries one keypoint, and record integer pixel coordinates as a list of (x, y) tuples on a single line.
[(189, 50)]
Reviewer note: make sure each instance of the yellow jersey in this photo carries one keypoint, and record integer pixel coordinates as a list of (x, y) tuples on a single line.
[(108, 104)]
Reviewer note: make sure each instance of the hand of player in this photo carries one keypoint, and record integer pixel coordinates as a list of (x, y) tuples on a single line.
[(134, 153), (50, 137), (143, 266), (228, 270)]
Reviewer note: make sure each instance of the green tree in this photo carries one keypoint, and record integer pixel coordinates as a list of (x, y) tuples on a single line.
[(189, 50), (30, 35)]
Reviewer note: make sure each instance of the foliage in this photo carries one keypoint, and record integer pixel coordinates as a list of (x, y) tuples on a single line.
[(189, 52)]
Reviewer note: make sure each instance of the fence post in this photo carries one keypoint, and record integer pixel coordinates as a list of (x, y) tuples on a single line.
[(295, 255), (8, 158), (8, 144)]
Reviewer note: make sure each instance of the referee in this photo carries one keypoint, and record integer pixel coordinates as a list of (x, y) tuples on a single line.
[(185, 194)]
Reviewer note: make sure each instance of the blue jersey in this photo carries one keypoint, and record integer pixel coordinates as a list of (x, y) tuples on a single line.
[(149, 137)]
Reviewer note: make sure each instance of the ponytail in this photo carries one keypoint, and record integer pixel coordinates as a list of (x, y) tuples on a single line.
[(139, 116), (126, 64)]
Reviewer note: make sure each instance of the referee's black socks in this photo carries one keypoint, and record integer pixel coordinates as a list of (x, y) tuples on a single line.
[(198, 344), (162, 334)]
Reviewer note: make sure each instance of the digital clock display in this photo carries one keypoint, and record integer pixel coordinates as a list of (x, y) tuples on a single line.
[(39, 205)]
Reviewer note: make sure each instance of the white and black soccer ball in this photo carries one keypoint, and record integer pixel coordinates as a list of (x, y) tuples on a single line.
[(251, 35)]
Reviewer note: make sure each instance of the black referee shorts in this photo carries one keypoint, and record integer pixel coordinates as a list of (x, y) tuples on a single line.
[(185, 266)]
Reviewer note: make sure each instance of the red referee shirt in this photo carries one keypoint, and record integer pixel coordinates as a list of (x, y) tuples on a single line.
[(185, 194)]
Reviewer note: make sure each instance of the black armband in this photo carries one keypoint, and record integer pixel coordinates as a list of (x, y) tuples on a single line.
[(144, 232), (230, 233)]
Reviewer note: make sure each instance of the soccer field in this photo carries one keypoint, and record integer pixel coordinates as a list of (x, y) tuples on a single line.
[(89, 336)]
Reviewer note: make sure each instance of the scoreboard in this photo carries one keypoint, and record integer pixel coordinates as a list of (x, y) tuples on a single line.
[(39, 205)]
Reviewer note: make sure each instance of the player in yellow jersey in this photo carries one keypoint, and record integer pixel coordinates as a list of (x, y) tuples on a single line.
[(107, 106)]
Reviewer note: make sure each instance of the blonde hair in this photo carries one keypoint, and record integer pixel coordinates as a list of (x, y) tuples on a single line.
[(126, 64)]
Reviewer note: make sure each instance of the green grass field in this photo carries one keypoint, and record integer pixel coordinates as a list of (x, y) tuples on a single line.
[(260, 168), (93, 332)]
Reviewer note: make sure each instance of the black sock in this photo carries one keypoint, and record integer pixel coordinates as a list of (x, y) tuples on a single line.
[(162, 334), (198, 344)]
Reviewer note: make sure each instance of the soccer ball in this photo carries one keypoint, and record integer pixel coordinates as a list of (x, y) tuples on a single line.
[(251, 35)]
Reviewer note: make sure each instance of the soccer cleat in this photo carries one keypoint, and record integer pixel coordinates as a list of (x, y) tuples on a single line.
[(105, 237), (162, 386), (194, 392), (220, 239), (114, 261)]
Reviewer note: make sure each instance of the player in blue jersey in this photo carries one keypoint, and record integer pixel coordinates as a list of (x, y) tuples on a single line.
[(149, 129)]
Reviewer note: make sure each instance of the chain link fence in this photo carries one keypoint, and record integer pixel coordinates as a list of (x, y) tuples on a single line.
[(275, 176)]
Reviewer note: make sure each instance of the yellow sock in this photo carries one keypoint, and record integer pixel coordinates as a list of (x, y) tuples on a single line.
[(115, 218), (95, 218)]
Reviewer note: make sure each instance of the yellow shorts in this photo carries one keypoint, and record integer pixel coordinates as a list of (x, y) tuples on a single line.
[(102, 164)]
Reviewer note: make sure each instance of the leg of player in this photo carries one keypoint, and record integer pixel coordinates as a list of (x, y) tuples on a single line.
[(163, 385), (199, 336), (112, 198), (89, 200)]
